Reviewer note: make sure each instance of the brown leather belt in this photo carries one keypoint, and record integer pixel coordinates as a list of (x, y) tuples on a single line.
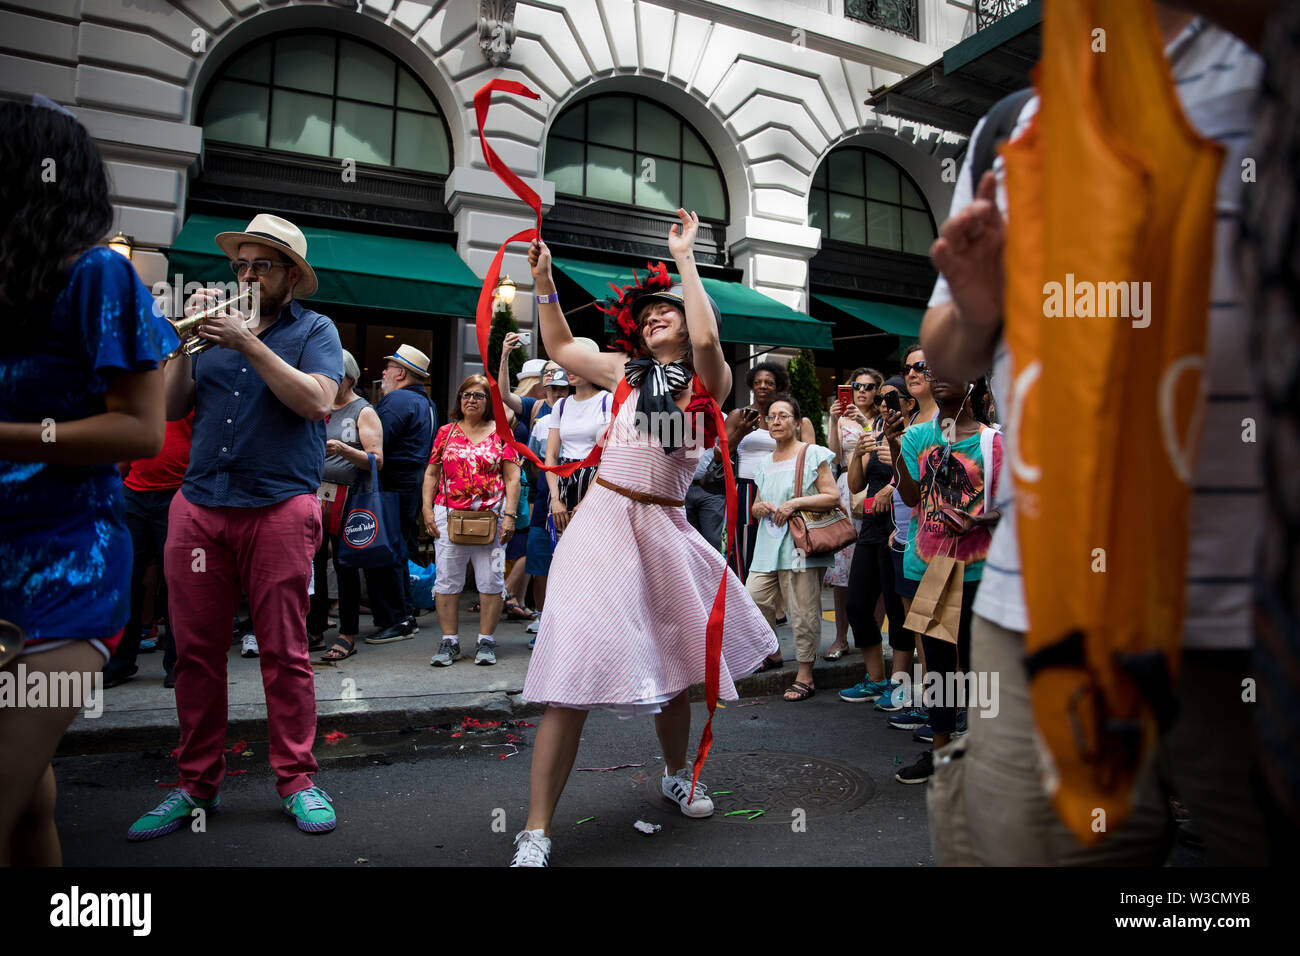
[(640, 496)]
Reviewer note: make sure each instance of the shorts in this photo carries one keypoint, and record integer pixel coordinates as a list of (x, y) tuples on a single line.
[(105, 645), (538, 562), (489, 561)]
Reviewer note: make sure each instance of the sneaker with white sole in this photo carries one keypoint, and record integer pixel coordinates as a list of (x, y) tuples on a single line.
[(919, 772), (532, 848), (249, 648), (312, 809), (487, 653), (534, 627), (677, 789), (866, 690), (900, 698), (448, 652), (170, 815), (912, 719)]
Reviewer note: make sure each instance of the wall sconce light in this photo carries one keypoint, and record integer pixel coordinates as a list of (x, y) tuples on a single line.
[(122, 244), (505, 294)]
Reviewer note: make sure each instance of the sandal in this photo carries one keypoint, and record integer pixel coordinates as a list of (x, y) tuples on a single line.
[(341, 651), (770, 665), (801, 691), (517, 612), (315, 642), (835, 653)]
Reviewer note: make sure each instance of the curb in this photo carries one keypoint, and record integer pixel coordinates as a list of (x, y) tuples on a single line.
[(158, 730)]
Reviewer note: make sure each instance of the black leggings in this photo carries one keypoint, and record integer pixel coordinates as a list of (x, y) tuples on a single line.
[(945, 660), (870, 575), (349, 591)]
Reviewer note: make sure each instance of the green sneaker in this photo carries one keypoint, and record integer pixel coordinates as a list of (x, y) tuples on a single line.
[(170, 815), (313, 809), (866, 690)]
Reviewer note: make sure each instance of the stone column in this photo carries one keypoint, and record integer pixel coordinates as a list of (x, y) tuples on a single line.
[(487, 213), (774, 256)]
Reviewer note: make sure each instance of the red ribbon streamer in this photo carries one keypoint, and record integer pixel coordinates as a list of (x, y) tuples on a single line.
[(483, 328)]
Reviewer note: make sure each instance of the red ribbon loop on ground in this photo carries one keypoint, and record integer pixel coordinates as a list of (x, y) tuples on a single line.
[(483, 329)]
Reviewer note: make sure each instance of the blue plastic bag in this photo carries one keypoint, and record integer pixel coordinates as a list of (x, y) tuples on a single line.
[(422, 580)]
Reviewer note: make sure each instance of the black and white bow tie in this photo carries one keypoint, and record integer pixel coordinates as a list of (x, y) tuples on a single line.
[(659, 417)]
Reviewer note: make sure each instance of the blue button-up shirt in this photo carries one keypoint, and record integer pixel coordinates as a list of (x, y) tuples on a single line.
[(250, 449), (408, 423)]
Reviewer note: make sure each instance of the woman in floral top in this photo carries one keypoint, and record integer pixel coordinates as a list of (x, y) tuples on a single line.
[(470, 469)]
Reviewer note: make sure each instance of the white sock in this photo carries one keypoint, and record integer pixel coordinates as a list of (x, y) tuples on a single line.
[(454, 638), (486, 638)]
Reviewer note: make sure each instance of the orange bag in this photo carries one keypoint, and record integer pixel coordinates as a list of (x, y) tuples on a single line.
[(1109, 185)]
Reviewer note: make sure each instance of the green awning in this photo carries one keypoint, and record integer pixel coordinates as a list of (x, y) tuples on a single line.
[(359, 269), (748, 316), (901, 320)]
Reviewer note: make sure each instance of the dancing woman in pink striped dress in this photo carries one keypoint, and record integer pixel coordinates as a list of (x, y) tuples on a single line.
[(632, 583)]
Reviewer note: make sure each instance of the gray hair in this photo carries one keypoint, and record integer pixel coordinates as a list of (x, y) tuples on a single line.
[(350, 368)]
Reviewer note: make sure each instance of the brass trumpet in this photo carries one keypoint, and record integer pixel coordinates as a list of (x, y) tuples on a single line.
[(187, 327)]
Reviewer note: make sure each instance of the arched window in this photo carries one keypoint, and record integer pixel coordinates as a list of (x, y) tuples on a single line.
[(327, 95), (861, 197), (626, 149)]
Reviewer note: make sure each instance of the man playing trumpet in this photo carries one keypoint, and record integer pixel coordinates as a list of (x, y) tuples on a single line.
[(247, 517)]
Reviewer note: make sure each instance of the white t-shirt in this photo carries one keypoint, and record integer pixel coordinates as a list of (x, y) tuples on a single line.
[(1217, 78), (581, 423), (751, 450)]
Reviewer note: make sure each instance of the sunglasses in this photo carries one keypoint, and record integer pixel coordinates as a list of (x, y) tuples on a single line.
[(864, 386), (917, 367), (260, 267)]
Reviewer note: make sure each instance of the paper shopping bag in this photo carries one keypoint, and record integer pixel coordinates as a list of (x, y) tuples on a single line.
[(936, 609)]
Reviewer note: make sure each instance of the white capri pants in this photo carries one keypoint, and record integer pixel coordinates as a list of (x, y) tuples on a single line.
[(489, 561)]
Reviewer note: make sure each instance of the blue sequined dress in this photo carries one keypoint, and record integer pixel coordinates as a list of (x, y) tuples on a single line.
[(65, 553)]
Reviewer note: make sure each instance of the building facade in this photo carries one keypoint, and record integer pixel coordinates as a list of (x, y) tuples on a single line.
[(355, 120)]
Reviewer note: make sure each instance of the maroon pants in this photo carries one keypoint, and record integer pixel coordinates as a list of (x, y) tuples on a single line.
[(211, 555)]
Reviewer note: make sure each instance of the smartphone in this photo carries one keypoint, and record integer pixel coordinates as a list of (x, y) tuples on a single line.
[(891, 400), (750, 415), (525, 337), (845, 394)]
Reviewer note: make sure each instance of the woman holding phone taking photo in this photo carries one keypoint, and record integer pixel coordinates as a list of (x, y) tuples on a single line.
[(854, 416)]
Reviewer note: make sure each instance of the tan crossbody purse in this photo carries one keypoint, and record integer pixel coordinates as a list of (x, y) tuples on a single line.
[(468, 527)]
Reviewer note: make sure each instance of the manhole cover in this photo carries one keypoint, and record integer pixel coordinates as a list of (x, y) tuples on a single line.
[(778, 784)]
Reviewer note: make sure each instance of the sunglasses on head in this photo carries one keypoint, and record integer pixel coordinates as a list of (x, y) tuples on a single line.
[(915, 366)]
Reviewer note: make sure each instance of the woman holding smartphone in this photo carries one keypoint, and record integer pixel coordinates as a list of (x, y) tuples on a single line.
[(851, 421), (747, 433), (941, 475)]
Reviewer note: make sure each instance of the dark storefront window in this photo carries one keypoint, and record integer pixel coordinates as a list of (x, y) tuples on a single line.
[(321, 94), (861, 197), (628, 150)]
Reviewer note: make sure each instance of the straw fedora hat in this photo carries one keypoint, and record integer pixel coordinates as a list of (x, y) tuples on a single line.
[(412, 359), (279, 234)]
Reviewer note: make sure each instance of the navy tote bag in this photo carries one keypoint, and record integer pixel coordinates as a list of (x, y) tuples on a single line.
[(371, 535)]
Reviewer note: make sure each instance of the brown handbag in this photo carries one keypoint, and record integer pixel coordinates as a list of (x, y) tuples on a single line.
[(818, 532), (468, 527)]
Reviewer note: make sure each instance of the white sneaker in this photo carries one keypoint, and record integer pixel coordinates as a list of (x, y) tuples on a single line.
[(250, 646), (534, 627), (531, 849), (677, 788)]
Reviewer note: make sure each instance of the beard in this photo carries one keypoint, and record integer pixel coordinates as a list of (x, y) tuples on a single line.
[(270, 303)]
